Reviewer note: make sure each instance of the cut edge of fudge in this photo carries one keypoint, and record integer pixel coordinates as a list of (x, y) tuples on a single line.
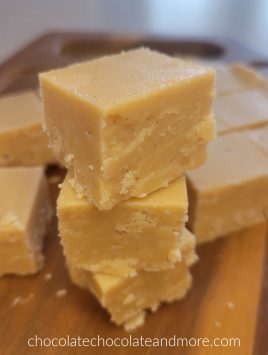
[(27, 235), (40, 220), (133, 188)]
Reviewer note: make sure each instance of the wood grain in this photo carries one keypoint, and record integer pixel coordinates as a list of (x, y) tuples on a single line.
[(228, 298)]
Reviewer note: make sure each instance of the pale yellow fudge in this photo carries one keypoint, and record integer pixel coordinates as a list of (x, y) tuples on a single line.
[(242, 110), (22, 140), (229, 192), (220, 126), (260, 137), (128, 124), (135, 234), (128, 298), (25, 212), (235, 78)]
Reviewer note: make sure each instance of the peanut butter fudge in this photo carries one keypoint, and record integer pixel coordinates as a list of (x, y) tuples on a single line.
[(136, 234), (22, 140), (241, 110), (128, 298), (25, 211), (260, 137), (229, 191), (127, 124), (235, 78)]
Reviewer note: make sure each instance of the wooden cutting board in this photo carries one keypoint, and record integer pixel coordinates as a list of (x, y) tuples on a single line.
[(230, 289)]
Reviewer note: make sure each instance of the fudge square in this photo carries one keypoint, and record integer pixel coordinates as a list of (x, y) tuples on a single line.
[(22, 140), (242, 110), (128, 298), (25, 212), (135, 234), (128, 124), (229, 192), (236, 78), (260, 137)]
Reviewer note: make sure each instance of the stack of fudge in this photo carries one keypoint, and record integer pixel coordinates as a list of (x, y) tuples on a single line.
[(127, 127)]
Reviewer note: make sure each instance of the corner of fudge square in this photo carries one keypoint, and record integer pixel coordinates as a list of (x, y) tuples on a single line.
[(128, 124)]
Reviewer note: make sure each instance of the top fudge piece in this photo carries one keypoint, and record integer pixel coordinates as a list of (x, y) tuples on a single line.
[(235, 78), (22, 140), (128, 124)]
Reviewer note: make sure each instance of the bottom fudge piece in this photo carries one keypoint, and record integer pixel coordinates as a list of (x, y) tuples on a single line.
[(229, 192), (136, 234), (25, 211), (128, 298)]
